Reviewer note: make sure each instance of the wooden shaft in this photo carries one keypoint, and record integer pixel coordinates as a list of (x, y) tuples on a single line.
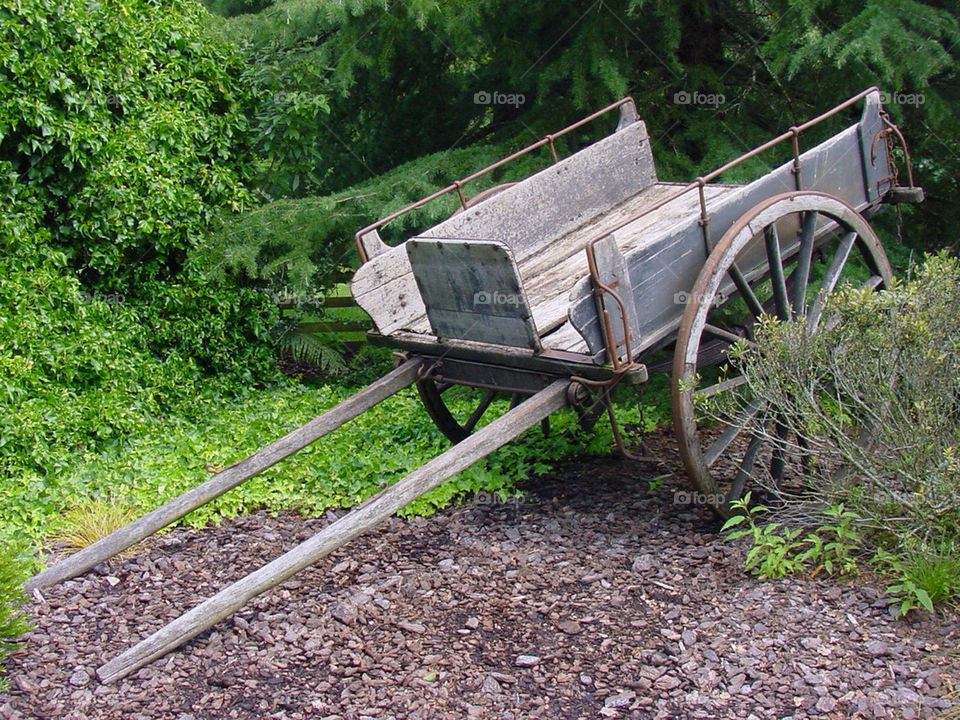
[(174, 509), (362, 518)]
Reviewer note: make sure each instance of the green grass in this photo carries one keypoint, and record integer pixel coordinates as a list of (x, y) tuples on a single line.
[(340, 470)]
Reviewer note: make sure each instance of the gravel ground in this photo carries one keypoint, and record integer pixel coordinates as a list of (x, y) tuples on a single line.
[(590, 597)]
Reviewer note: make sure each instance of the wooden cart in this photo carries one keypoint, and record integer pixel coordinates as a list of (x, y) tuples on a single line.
[(555, 289)]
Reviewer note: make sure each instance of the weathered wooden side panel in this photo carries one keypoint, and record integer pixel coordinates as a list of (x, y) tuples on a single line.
[(387, 291), (663, 269), (548, 284), (660, 274), (471, 290)]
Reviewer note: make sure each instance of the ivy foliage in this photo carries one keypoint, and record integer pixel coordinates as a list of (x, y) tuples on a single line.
[(126, 120)]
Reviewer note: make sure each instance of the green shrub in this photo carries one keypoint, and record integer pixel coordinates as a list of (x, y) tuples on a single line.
[(80, 371), (125, 118), (117, 122), (875, 395), (13, 573)]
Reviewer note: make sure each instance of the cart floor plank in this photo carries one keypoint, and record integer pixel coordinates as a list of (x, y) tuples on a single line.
[(565, 338)]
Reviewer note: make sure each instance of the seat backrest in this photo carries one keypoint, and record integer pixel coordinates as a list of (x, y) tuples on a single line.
[(560, 198), (524, 217)]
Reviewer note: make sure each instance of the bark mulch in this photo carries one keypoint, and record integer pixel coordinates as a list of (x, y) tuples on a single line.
[(592, 596)]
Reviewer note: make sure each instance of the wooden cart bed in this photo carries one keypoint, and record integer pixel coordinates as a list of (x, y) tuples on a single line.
[(532, 237), (546, 221)]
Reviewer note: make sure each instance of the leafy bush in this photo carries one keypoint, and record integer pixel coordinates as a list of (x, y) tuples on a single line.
[(13, 573), (157, 460), (125, 119), (82, 371), (117, 122), (875, 395)]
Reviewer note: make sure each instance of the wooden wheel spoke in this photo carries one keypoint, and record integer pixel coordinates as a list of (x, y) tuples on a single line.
[(731, 432), (772, 242), (723, 386), (545, 426), (804, 257), (831, 277), (805, 452), (449, 423), (727, 335), (745, 470), (778, 462), (475, 416), (746, 292)]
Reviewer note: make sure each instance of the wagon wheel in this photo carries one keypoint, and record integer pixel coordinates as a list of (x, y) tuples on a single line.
[(477, 401), (762, 265)]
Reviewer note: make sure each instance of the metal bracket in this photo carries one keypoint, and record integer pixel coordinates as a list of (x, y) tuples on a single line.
[(892, 129)]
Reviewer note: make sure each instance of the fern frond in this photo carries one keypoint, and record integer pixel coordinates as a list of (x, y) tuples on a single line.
[(312, 349)]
